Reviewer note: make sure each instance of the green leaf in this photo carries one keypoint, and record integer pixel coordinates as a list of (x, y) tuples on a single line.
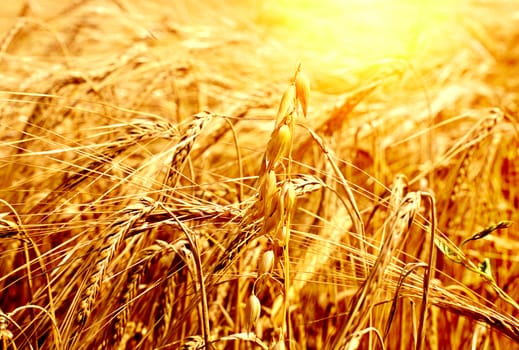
[(485, 269), (448, 251)]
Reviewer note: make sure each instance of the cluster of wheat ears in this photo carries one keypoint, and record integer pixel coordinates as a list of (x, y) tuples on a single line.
[(158, 192)]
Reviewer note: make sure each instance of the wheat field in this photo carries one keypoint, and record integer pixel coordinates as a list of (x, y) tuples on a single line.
[(259, 174)]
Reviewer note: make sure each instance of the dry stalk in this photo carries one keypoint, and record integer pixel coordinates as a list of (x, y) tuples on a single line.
[(135, 132), (398, 225), (6, 336), (429, 271), (9, 317), (318, 255), (28, 242), (9, 248), (352, 208), (461, 305), (196, 256)]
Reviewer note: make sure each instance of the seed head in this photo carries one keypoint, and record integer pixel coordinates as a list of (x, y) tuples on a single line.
[(289, 196), (303, 91), (268, 189), (282, 235), (278, 146), (252, 311), (266, 263), (287, 104), (280, 345)]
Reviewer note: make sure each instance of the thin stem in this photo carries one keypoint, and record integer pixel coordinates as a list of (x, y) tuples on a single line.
[(429, 272)]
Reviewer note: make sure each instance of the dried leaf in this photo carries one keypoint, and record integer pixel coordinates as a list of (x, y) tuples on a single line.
[(488, 230)]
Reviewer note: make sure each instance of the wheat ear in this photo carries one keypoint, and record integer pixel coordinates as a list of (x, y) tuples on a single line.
[(182, 150), (118, 230)]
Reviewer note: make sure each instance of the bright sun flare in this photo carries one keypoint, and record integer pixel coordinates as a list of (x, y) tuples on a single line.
[(363, 29)]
